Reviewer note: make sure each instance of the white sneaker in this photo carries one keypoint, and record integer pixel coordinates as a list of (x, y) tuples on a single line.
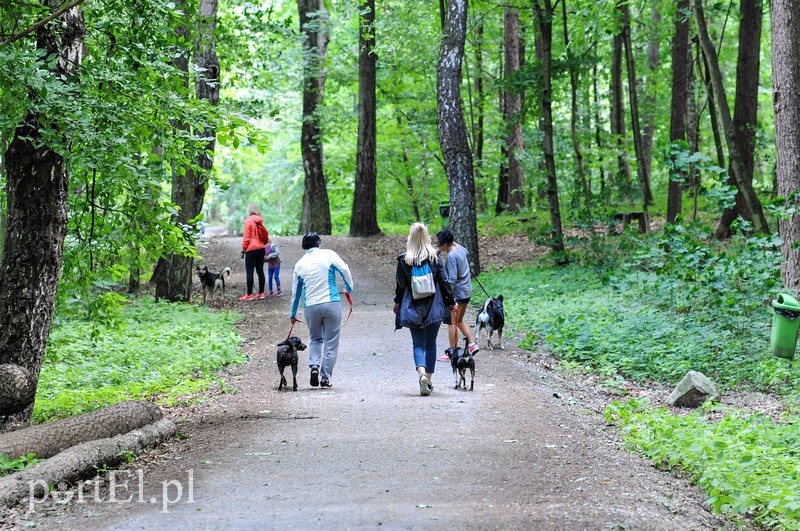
[(424, 386)]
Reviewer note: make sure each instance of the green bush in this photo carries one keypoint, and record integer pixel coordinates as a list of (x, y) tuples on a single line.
[(144, 350)]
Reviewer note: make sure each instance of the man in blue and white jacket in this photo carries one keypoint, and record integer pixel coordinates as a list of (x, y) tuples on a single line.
[(314, 282)]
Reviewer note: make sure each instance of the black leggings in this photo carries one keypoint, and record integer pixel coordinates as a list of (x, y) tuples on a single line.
[(254, 260)]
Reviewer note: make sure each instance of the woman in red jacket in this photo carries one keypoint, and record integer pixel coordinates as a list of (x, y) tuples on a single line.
[(254, 239)]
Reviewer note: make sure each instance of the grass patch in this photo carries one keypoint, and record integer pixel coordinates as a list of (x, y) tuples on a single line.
[(747, 464), (149, 349)]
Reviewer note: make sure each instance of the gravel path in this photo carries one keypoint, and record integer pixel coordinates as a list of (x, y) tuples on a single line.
[(373, 453)]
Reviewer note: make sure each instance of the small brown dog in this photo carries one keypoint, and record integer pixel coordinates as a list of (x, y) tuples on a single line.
[(287, 355)]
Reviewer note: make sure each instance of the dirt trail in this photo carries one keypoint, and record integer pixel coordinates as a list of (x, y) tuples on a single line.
[(371, 452)]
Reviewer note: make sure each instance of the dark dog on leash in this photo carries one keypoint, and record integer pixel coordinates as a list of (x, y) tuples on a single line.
[(461, 360), (211, 282), (492, 318), (287, 355)]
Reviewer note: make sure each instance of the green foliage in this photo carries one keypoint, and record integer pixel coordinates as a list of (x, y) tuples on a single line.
[(747, 464), (143, 350), (10, 466), (654, 308)]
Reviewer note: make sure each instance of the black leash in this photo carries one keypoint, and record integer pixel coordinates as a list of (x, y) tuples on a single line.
[(481, 285)]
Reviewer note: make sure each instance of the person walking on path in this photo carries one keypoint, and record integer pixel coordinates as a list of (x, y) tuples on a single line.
[(254, 238), (273, 257), (457, 271), (422, 315), (314, 283)]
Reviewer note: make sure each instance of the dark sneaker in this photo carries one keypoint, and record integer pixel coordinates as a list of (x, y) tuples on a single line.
[(314, 377), (326, 383), (430, 387)]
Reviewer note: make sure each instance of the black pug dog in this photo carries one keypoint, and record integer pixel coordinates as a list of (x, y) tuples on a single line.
[(461, 360), (492, 318), (212, 282), (287, 355)]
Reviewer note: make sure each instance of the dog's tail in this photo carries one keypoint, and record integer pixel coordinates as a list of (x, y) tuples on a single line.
[(226, 270)]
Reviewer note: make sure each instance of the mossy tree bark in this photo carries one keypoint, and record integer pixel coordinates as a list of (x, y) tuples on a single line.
[(36, 188)]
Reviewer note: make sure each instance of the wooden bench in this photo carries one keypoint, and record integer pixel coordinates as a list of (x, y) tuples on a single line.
[(625, 217)]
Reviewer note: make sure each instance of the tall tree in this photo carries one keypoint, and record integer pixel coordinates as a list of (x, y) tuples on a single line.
[(681, 67), (316, 215), (480, 111), (786, 98), (750, 201), (364, 217), (453, 130), (745, 108), (650, 99), (617, 105), (641, 166), (512, 108), (174, 280), (582, 181), (544, 19), (36, 188)]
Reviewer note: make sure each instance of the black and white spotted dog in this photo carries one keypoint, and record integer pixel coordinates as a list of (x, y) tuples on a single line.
[(490, 320), (212, 282), (461, 360)]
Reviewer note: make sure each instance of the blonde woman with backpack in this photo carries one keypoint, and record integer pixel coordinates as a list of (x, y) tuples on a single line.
[(254, 239), (422, 300)]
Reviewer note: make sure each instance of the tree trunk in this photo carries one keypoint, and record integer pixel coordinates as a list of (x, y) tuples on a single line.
[(745, 110), (412, 194), (316, 215), (719, 147), (174, 281), (786, 99), (598, 132), (582, 183), (80, 461), (36, 192), (618, 132), (681, 66), (48, 439), (641, 167), (544, 18), (750, 201), (649, 110), (513, 118), (364, 217), (478, 133), (453, 131)]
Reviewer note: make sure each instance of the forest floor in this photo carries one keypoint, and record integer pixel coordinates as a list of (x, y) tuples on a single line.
[(527, 449)]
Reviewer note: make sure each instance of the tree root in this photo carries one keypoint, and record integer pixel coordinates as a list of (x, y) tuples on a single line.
[(81, 461)]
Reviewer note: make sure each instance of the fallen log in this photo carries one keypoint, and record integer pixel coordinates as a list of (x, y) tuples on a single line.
[(81, 461), (48, 439)]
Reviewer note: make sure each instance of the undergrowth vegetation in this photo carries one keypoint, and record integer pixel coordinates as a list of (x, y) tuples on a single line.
[(121, 351), (651, 308)]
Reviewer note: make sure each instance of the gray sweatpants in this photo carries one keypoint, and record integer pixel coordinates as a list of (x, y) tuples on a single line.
[(324, 322)]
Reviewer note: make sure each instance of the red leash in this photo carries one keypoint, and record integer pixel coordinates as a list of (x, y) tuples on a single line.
[(350, 300)]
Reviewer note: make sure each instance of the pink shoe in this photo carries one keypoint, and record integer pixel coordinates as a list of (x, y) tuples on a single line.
[(270, 294), (278, 293), (261, 296), (247, 297)]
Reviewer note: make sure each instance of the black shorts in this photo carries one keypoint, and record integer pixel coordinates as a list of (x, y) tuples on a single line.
[(463, 301)]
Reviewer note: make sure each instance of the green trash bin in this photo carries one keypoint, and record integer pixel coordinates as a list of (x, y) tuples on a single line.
[(785, 324), (444, 211)]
